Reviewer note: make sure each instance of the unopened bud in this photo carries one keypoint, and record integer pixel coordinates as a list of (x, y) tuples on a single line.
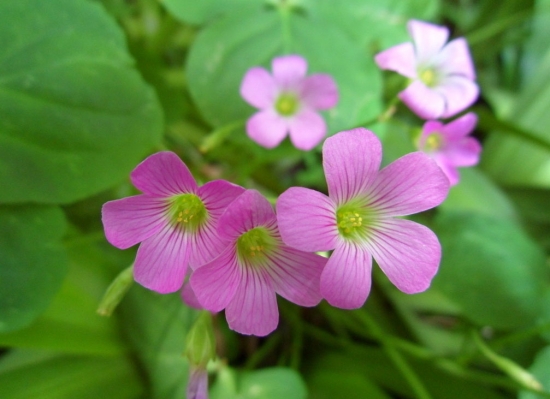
[(116, 291), (200, 346)]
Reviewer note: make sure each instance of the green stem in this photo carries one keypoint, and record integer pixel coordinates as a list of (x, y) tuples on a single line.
[(495, 28), (285, 11), (384, 116), (396, 357), (256, 358), (219, 135)]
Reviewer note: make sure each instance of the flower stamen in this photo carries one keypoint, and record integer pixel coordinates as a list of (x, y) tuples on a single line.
[(187, 211)]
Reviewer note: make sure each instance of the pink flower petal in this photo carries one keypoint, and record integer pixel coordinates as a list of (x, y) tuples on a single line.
[(423, 101), (206, 244), (215, 283), (411, 184), (267, 128), (319, 91), (258, 88), (455, 59), (197, 387), (253, 310), (428, 39), (248, 211), (307, 129), (307, 220), (163, 174), (346, 280), (351, 160), (400, 58), (459, 94), (296, 274), (161, 261), (217, 195), (288, 71), (189, 298), (460, 127), (450, 170), (463, 153), (407, 252), (128, 221)]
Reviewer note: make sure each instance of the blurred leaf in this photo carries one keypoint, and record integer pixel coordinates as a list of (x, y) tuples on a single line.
[(368, 21), (200, 12), (271, 383), (75, 117), (536, 45), (491, 269), (477, 193), (71, 324), (541, 370), (229, 46), (33, 262), (25, 374), (156, 326)]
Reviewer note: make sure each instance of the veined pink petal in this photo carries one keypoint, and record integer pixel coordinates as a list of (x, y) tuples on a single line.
[(449, 169), (307, 220), (296, 274), (128, 221), (407, 252), (162, 260), (307, 129), (346, 280), (463, 153), (428, 39), (351, 160), (197, 387), (248, 211), (423, 101), (319, 91), (267, 128), (189, 298), (163, 174), (206, 244), (460, 127), (459, 94), (411, 184), (253, 309), (216, 282), (217, 195), (258, 88), (455, 59), (288, 71), (400, 58)]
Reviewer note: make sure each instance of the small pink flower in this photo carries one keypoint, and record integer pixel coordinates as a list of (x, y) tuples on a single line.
[(443, 76), (197, 387), (450, 146), (358, 218), (243, 280), (174, 219), (288, 102)]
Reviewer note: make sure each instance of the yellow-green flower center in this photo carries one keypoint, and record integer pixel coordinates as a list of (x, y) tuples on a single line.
[(187, 211), (287, 104), (354, 220), (429, 77), (433, 142), (254, 246)]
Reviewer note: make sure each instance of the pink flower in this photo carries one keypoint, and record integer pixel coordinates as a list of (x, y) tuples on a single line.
[(174, 219), (442, 74), (243, 280), (197, 387), (450, 146), (358, 218), (288, 102)]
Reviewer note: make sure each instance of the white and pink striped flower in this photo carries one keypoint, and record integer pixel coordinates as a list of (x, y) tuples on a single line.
[(359, 218), (255, 266), (174, 219)]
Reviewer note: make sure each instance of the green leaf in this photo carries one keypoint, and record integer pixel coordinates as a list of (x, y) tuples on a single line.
[(271, 383), (33, 262), (491, 269), (75, 116), (25, 374), (200, 12), (156, 326), (368, 21), (541, 370), (232, 44)]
